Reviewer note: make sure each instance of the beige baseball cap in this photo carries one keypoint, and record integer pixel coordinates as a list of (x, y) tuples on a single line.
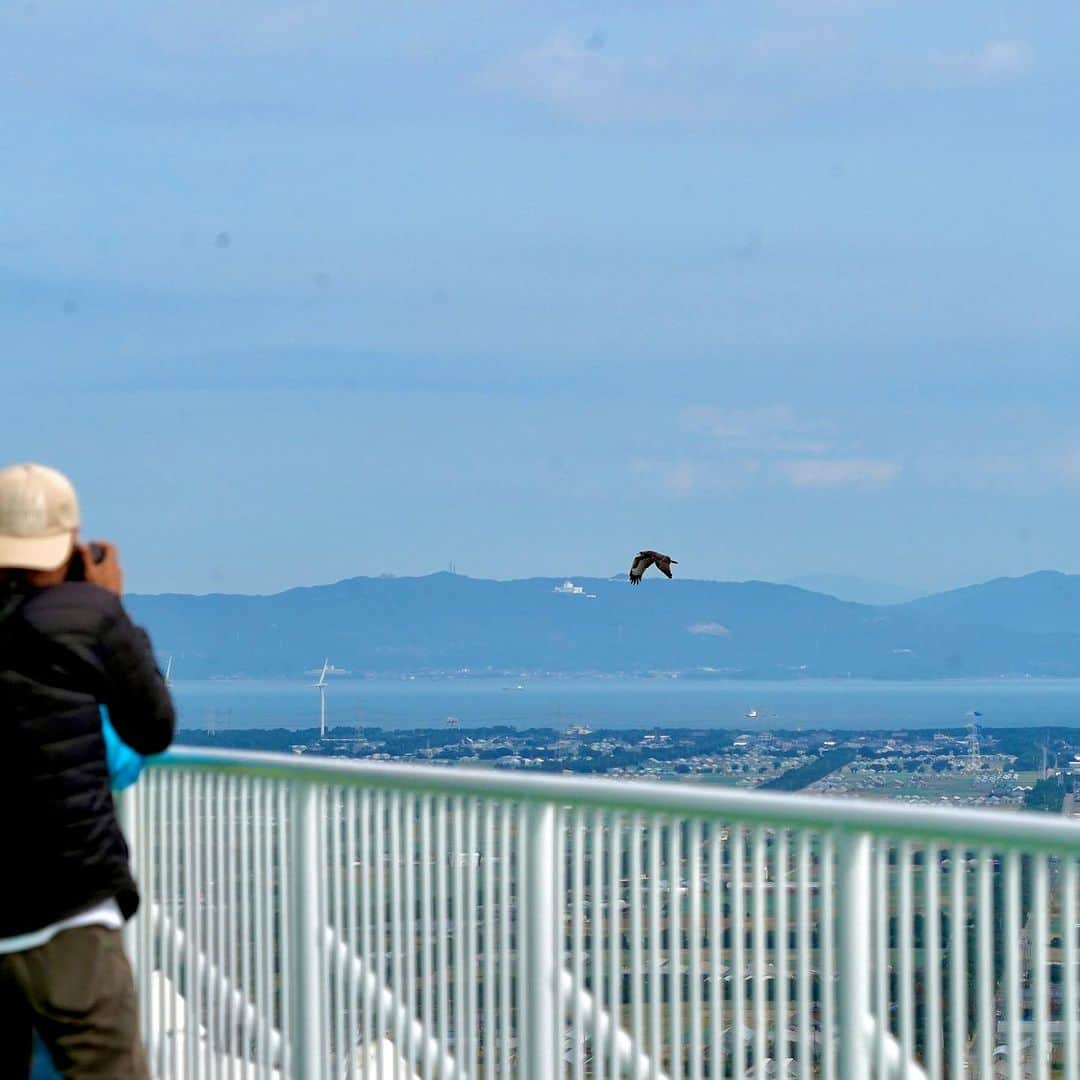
[(39, 514)]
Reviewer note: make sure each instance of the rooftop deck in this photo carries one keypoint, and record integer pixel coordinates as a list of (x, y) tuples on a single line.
[(316, 918)]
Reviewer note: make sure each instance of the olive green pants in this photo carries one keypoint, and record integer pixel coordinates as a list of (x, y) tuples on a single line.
[(77, 991)]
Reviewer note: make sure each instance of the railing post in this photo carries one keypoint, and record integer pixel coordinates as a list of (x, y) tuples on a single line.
[(126, 816), (304, 983), (853, 910), (538, 1028)]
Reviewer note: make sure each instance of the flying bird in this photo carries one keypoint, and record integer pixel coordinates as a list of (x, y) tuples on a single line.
[(644, 559)]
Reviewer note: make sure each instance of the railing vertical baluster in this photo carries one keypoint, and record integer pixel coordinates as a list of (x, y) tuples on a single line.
[(127, 817), (245, 927), (489, 1043), (1039, 962), (932, 962), (780, 980), (208, 994), (851, 912), (854, 920), (178, 875), (441, 932), (284, 952), (538, 904), (232, 945), (737, 974), (196, 1002), (203, 995), (327, 888), (523, 986), (468, 937), (506, 1006), (693, 872), (637, 952), (578, 942), (305, 985), (758, 952), (906, 947), (134, 810), (1012, 963), (221, 910), (1070, 928), (379, 932), (411, 1048), (424, 995), (205, 987), (716, 941), (191, 1020), (261, 959), (561, 1027), (144, 808), (614, 980), (342, 1050), (159, 1063), (352, 1018), (367, 925), (397, 941), (957, 961), (984, 980), (674, 906), (881, 954), (458, 940), (655, 985), (179, 944), (160, 781), (804, 979), (828, 956), (596, 935)]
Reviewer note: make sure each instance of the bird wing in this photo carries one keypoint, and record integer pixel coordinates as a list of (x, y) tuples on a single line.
[(642, 561), (663, 564)]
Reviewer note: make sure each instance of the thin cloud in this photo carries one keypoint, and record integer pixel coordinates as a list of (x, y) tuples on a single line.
[(770, 428), (710, 629), (997, 61), (838, 472), (681, 479), (684, 478), (576, 77)]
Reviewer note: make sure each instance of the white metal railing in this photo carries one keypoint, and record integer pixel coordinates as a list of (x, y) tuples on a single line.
[(316, 918)]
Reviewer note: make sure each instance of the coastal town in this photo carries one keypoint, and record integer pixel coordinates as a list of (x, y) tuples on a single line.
[(966, 766)]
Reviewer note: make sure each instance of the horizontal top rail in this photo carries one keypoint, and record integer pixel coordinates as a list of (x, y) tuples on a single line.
[(997, 828)]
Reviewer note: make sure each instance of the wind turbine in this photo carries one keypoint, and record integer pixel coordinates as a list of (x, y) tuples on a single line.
[(321, 687)]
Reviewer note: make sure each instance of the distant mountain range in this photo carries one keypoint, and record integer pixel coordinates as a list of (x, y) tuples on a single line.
[(708, 629), (860, 590), (1044, 602)]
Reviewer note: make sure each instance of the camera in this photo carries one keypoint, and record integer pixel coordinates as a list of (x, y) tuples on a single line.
[(77, 567)]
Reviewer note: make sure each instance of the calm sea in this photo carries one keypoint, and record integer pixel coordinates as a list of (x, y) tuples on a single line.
[(629, 703)]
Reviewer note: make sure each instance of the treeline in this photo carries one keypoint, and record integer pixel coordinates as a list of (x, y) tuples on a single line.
[(804, 775), (1046, 795)]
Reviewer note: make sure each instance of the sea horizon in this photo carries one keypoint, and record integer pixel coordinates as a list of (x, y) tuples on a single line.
[(556, 702)]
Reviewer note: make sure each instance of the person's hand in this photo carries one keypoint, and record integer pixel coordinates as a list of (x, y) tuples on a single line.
[(107, 573)]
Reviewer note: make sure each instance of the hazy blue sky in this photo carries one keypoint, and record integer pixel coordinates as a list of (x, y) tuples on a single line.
[(297, 291)]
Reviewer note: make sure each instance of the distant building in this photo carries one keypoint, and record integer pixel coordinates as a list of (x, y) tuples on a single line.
[(568, 588)]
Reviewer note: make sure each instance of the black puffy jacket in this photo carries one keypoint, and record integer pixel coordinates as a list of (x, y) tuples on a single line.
[(63, 651)]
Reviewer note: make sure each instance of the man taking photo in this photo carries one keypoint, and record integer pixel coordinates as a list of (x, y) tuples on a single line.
[(67, 646)]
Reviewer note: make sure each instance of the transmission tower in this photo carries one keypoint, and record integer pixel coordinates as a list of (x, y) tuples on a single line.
[(974, 761)]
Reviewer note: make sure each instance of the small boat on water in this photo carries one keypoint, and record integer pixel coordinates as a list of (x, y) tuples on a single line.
[(752, 714)]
